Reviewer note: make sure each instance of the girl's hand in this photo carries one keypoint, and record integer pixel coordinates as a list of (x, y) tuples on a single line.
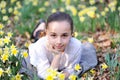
[(51, 49)]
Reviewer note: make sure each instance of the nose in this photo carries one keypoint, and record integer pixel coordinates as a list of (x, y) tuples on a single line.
[(59, 40)]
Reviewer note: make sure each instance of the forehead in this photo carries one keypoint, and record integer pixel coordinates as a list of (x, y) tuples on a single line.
[(59, 26)]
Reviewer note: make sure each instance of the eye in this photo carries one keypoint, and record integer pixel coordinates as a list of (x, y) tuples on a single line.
[(53, 35), (65, 35)]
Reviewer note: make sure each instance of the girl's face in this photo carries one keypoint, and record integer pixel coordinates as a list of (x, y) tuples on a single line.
[(59, 34)]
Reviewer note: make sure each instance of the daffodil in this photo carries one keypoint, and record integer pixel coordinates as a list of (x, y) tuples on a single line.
[(3, 4), (106, 9), (1, 72), (1, 26), (72, 77), (25, 54), (3, 11), (12, 46), (103, 13), (92, 2), (93, 71), (61, 76), (101, 1), (104, 66), (18, 77), (9, 34), (46, 3), (54, 10), (4, 57), (75, 34), (90, 40), (62, 9), (14, 51), (7, 40), (91, 14), (82, 19), (5, 18), (73, 10), (49, 77), (1, 33), (68, 2), (8, 71), (77, 67), (42, 9), (12, 1), (97, 15), (16, 18)]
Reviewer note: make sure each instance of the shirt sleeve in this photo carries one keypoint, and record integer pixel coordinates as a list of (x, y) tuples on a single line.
[(74, 61), (39, 60)]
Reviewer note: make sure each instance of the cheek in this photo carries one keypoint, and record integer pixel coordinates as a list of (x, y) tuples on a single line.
[(51, 40), (66, 41)]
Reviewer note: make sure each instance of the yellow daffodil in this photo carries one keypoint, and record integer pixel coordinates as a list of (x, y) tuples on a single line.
[(5, 18), (104, 66), (92, 2), (27, 44), (6, 48), (1, 26), (18, 4), (46, 3), (12, 46), (1, 33), (16, 18), (72, 77), (82, 19), (75, 34), (16, 12), (54, 10), (61, 76), (62, 9), (101, 1), (68, 2), (106, 9), (18, 77), (103, 13), (49, 77), (9, 34), (3, 4), (25, 54), (1, 42), (3, 11), (93, 71), (1, 72), (7, 40), (73, 10), (90, 40), (97, 15), (8, 71), (91, 14), (4, 57), (12, 1), (14, 51), (42, 9), (77, 67)]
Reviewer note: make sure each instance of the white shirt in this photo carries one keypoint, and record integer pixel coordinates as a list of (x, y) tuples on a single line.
[(41, 58)]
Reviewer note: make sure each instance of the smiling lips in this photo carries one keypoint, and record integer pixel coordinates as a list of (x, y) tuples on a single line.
[(59, 47)]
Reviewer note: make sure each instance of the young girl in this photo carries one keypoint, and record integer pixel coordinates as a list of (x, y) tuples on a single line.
[(58, 49)]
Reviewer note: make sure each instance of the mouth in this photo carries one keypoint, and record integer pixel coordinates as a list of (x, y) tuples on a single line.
[(59, 47)]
